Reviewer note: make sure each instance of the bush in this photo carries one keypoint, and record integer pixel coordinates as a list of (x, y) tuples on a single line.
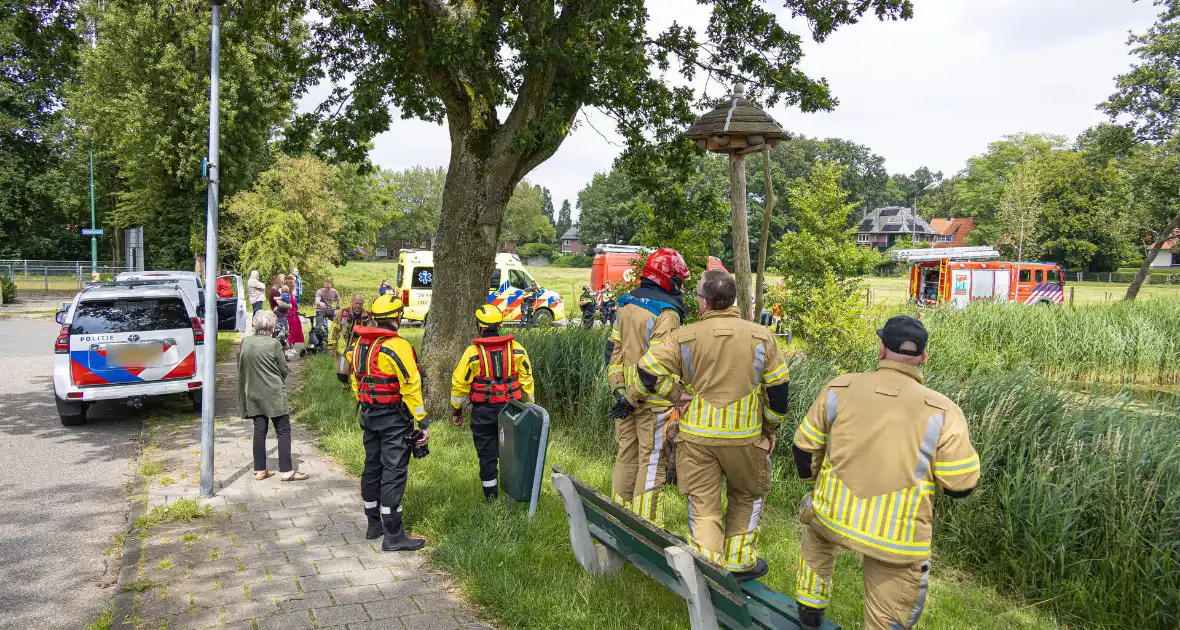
[(836, 324), (8, 287), (572, 261), (534, 250)]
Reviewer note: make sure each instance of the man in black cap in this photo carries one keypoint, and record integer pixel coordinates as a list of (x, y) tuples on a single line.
[(879, 446)]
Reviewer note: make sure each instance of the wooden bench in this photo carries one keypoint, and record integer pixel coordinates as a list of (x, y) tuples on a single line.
[(715, 598)]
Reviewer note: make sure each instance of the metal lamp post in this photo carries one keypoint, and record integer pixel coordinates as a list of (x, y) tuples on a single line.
[(93, 238), (209, 380), (737, 127)]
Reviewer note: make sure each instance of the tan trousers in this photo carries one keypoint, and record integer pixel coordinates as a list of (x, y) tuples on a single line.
[(895, 594), (639, 466), (746, 472)]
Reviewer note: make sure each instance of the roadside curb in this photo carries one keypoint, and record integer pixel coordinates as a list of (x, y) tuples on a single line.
[(124, 601)]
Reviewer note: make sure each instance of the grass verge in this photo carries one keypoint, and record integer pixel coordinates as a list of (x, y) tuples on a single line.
[(524, 572), (104, 620), (179, 511)]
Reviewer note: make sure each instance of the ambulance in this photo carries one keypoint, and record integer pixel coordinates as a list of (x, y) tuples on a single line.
[(616, 263), (961, 275), (507, 288)]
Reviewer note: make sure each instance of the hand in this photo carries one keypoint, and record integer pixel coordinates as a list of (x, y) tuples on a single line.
[(773, 443), (621, 409), (457, 418), (424, 439), (684, 401)]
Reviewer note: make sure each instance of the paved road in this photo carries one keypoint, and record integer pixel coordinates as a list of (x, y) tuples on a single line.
[(63, 490)]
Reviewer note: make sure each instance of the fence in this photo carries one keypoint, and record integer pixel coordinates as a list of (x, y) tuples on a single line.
[(1116, 277), (54, 276)]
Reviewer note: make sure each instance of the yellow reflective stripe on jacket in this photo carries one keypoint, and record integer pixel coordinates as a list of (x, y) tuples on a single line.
[(778, 374), (958, 467), (614, 335), (742, 419), (655, 367), (770, 414), (817, 436), (658, 397), (887, 522), (810, 588)]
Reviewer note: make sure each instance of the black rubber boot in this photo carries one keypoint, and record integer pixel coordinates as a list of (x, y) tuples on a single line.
[(760, 569), (491, 494), (375, 529), (395, 536), (811, 618)]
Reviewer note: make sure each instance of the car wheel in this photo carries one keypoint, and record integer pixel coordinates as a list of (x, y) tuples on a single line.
[(194, 396), (73, 420), (543, 317)]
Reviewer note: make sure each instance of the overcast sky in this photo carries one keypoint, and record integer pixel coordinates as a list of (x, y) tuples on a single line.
[(930, 91)]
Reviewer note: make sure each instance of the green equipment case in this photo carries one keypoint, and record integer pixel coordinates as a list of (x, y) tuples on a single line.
[(523, 439)]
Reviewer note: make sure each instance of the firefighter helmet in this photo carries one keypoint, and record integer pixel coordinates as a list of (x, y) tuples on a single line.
[(387, 307), (666, 268), (488, 315)]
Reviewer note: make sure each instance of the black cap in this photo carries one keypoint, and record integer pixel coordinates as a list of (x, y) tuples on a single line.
[(901, 329)]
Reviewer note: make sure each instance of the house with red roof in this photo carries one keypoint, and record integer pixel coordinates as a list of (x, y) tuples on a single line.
[(952, 232), (1167, 257)]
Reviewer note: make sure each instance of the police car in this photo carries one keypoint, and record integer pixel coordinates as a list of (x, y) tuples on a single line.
[(124, 341)]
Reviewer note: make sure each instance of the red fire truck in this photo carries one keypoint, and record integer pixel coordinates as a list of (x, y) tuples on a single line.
[(961, 275)]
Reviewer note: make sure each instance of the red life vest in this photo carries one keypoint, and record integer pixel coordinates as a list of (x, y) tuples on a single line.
[(373, 386), (496, 383)]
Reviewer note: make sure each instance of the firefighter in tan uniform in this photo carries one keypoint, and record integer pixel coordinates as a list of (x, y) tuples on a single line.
[(878, 447), (646, 316), (739, 378), (342, 335), (493, 370)]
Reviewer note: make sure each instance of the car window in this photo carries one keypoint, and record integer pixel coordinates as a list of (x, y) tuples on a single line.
[(401, 275), (129, 315), (517, 279), (1054, 275), (1025, 275), (494, 285), (422, 278), (1040, 276)]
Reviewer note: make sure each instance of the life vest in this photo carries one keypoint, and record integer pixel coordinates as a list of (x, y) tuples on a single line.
[(496, 383), (373, 386)]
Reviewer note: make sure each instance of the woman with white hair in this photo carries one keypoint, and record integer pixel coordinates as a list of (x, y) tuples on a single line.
[(261, 370), (257, 290)]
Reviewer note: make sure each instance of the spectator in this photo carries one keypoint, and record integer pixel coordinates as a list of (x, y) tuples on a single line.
[(384, 288), (294, 324), (273, 297), (298, 285), (224, 288), (257, 291), (261, 370), (327, 302)]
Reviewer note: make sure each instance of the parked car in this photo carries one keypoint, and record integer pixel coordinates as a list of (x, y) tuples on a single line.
[(125, 341), (231, 311)]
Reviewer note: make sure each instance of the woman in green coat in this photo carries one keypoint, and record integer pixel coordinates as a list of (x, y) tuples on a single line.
[(261, 370)]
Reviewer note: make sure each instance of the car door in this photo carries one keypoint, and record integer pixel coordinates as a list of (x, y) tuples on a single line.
[(238, 320)]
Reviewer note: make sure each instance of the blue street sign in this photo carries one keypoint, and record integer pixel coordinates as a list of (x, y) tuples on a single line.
[(90, 232)]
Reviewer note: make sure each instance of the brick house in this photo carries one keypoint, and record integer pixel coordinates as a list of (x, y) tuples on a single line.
[(952, 232), (570, 243), (880, 228)]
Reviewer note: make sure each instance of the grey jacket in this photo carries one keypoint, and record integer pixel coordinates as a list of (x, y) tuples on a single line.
[(261, 370)]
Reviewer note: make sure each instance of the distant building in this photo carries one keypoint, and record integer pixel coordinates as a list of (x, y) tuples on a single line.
[(570, 243), (1167, 256), (952, 232), (881, 228)]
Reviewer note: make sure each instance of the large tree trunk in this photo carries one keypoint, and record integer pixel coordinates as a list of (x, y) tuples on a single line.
[(764, 241), (1164, 236), (741, 233), (477, 189)]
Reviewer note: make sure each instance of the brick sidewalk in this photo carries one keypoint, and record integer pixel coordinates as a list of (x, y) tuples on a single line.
[(282, 555)]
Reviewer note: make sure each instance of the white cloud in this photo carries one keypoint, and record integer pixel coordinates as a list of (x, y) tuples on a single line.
[(931, 91)]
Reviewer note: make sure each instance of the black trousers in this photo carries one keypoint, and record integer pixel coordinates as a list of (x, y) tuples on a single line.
[(485, 433), (282, 431), (387, 461)]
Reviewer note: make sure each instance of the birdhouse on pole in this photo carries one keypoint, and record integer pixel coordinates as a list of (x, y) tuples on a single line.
[(737, 127)]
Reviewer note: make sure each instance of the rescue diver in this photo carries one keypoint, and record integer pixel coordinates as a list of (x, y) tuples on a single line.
[(492, 371), (739, 379), (646, 317), (586, 303), (388, 388), (343, 334), (878, 446)]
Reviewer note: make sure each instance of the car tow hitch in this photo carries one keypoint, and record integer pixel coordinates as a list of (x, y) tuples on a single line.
[(135, 402)]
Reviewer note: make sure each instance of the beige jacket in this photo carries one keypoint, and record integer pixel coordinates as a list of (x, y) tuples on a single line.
[(882, 443), (636, 330), (731, 366)]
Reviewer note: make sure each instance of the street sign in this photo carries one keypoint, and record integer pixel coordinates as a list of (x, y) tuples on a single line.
[(90, 232)]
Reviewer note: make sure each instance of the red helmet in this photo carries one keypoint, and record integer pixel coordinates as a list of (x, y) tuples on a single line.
[(666, 268)]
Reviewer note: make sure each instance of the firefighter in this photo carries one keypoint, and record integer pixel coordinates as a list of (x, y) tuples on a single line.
[(586, 303), (492, 371), (388, 389), (342, 335), (878, 446), (739, 380), (646, 317)]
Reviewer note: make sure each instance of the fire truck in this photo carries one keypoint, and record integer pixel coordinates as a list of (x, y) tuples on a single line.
[(961, 275)]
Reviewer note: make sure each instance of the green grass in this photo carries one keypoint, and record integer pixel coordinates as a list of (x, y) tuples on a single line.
[(104, 620), (225, 341), (179, 511), (524, 571), (139, 586), (151, 468)]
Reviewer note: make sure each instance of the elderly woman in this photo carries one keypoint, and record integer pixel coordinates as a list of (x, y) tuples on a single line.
[(257, 291), (261, 370)]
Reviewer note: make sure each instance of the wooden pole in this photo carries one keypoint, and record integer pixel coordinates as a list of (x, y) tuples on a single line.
[(741, 233), (764, 242), (1071, 297)]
